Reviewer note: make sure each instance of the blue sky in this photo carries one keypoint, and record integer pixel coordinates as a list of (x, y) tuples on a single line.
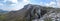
[(19, 4)]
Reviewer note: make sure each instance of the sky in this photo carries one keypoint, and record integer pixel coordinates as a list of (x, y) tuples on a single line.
[(19, 4)]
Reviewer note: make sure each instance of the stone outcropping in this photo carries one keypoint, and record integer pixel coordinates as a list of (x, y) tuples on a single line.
[(34, 13)]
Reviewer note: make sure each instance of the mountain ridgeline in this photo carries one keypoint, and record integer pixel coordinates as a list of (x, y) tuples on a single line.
[(28, 13)]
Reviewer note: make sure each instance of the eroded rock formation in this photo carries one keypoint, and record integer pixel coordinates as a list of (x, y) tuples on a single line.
[(28, 13)]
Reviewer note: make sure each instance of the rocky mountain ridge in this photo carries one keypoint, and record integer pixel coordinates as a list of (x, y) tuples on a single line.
[(53, 14)]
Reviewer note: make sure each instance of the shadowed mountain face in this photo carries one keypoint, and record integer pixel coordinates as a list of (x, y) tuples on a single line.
[(28, 13)]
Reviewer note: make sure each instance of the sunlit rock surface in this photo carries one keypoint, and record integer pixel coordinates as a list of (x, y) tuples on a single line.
[(50, 16)]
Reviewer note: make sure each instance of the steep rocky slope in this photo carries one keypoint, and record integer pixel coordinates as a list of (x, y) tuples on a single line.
[(53, 14)]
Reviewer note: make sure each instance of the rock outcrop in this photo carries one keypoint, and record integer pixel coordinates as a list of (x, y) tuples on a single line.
[(34, 13)]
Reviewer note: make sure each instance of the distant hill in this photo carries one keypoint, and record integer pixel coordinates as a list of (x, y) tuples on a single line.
[(3, 11)]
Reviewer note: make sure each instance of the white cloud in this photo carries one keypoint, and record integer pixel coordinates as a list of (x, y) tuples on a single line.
[(43, 4), (1, 4), (16, 6), (26, 1), (58, 3), (51, 4), (54, 4), (15, 1), (20, 5)]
